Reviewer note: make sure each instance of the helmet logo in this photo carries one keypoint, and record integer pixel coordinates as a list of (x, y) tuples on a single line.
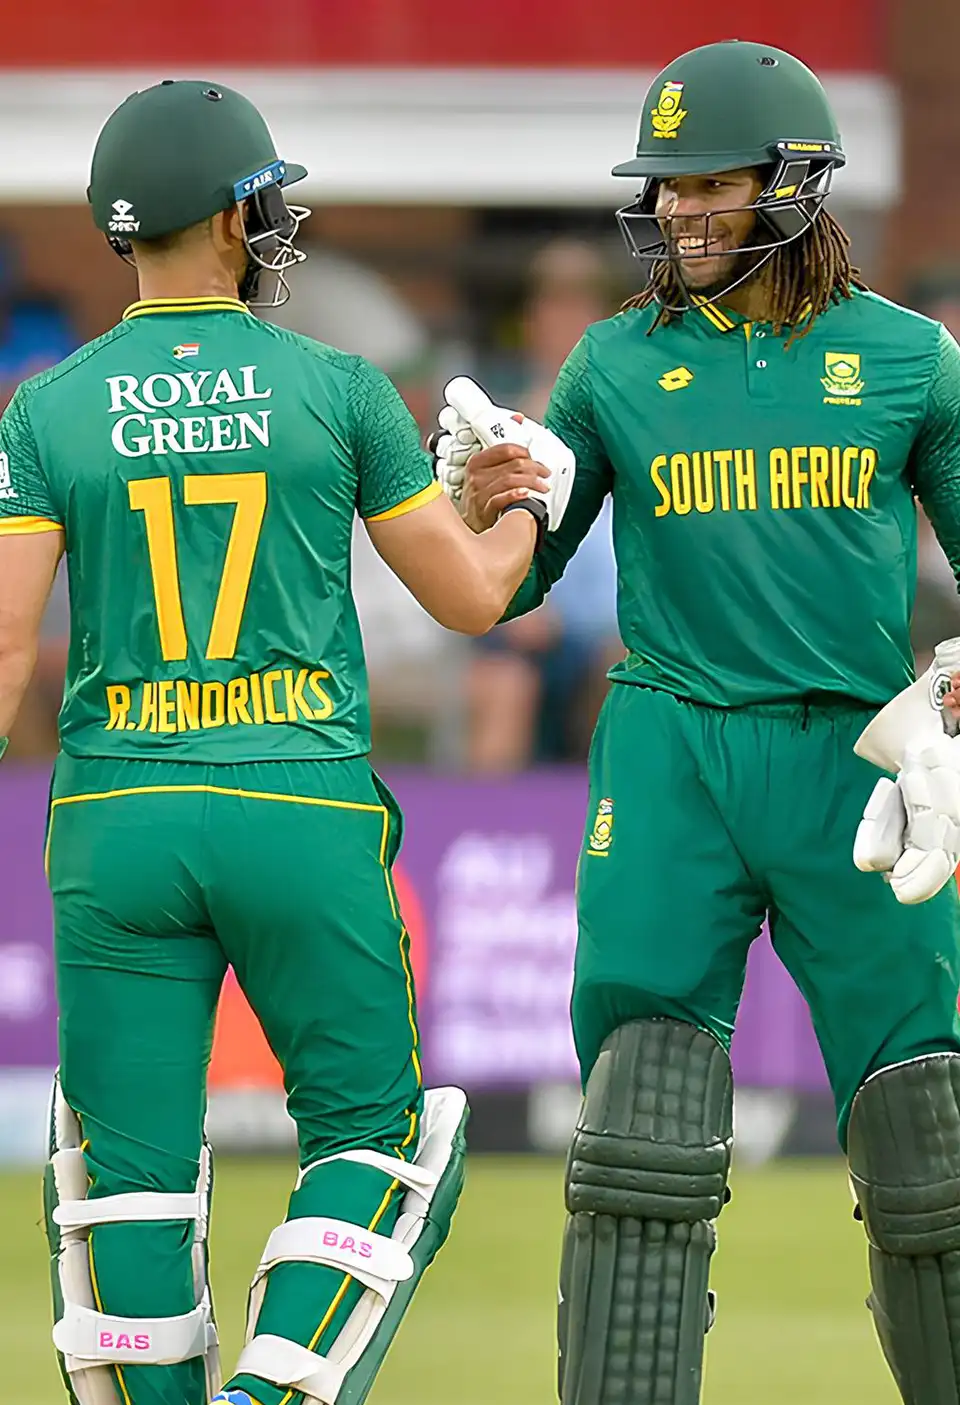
[(668, 114), (842, 378), (122, 219)]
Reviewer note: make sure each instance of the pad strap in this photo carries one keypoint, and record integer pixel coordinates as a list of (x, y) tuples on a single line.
[(123, 1209), (409, 1173), (89, 1338), (373, 1259), (287, 1363)]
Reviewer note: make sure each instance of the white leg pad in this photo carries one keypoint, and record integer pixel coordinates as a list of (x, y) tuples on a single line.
[(286, 1363), (91, 1341)]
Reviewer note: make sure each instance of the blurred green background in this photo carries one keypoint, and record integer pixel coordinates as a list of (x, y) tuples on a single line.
[(790, 1274)]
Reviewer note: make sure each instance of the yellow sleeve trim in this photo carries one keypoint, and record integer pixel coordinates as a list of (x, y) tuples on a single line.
[(424, 496), (27, 526)]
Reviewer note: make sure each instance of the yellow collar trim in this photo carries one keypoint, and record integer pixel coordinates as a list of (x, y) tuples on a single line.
[(146, 306), (714, 315), (723, 323)]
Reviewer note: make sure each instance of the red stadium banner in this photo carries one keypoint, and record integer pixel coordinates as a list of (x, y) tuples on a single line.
[(424, 33)]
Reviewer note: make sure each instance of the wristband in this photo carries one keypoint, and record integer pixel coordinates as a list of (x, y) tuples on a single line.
[(538, 509)]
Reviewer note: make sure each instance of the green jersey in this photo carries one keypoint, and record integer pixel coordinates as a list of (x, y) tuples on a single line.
[(763, 494), (206, 469)]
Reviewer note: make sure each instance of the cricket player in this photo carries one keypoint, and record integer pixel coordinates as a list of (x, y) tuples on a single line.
[(212, 801), (763, 423)]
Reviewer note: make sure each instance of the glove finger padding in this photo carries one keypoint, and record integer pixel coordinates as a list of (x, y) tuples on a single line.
[(930, 786), (879, 839), (453, 423), (920, 874), (451, 479)]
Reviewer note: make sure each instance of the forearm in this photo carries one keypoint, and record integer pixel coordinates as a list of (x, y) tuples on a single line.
[(463, 579), (493, 567)]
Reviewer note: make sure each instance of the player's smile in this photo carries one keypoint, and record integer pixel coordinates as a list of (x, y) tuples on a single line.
[(706, 220), (703, 257)]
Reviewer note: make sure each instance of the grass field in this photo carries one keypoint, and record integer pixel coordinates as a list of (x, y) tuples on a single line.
[(790, 1274)]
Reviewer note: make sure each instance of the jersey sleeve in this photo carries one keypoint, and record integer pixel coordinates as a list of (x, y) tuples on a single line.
[(570, 415), (935, 458), (395, 473), (26, 503)]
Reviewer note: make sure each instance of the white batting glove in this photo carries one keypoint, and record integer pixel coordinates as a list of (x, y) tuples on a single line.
[(452, 449), (490, 424), (910, 831)]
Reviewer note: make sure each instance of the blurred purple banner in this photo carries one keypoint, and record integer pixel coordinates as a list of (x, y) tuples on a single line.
[(491, 865), (486, 877), (28, 1027)]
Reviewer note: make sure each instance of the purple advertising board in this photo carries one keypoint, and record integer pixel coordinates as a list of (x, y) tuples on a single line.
[(487, 876), (28, 1028)]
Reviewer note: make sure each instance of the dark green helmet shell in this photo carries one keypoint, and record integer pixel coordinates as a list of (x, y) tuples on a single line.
[(729, 105), (177, 153)]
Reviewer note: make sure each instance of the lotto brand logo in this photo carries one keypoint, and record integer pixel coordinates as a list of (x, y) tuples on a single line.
[(121, 1341), (347, 1244), (677, 379)]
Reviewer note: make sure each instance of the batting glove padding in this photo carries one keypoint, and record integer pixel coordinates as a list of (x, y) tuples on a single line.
[(471, 422), (910, 830)]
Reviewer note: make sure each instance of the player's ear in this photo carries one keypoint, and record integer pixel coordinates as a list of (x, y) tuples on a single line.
[(227, 229)]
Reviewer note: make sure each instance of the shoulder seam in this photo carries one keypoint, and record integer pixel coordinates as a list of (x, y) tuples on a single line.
[(78, 358)]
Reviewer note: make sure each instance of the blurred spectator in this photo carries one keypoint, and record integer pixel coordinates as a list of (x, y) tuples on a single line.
[(936, 614), (414, 665), (35, 332), (534, 685)]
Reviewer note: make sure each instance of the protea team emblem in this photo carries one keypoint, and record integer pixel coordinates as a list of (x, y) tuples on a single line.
[(601, 835), (668, 114), (842, 380)]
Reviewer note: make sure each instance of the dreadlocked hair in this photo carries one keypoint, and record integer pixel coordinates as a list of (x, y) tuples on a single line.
[(804, 277)]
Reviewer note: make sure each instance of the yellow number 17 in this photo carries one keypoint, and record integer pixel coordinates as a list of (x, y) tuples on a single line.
[(154, 498)]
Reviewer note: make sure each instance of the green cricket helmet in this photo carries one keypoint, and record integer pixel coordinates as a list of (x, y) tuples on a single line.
[(723, 107), (179, 152)]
